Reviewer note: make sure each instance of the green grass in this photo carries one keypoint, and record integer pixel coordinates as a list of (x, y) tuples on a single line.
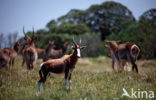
[(92, 79)]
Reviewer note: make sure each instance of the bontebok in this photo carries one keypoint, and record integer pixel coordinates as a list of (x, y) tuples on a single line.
[(65, 64)]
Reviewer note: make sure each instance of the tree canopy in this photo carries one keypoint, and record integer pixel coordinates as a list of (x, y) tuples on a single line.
[(109, 20), (105, 18)]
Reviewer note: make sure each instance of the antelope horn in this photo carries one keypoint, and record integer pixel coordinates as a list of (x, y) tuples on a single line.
[(74, 41), (80, 41), (23, 31), (25, 34)]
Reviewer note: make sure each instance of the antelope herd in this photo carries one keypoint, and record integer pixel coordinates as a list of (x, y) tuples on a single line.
[(56, 61)]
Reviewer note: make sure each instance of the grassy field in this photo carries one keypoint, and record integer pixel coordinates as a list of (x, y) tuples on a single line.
[(92, 79)]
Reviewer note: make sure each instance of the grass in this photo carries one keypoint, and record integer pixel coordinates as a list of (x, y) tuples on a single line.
[(92, 79)]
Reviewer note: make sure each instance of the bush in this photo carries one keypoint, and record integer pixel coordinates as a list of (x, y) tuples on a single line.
[(95, 47)]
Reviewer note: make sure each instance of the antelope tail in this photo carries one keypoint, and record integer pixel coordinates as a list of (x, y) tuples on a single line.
[(40, 71)]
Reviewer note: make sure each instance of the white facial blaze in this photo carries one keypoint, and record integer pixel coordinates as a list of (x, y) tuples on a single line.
[(78, 52)]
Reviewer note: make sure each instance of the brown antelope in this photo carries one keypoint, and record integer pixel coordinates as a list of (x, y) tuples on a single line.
[(12, 52), (29, 51), (54, 54), (4, 59), (25, 43), (65, 64), (40, 53), (110, 53), (127, 51)]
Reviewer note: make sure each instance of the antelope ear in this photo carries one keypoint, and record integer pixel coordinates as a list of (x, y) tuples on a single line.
[(72, 47), (83, 47), (106, 46)]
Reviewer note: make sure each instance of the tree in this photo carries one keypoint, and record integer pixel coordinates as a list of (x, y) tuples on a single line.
[(149, 15), (51, 25), (2, 40), (109, 17), (41, 32), (12, 38), (71, 28)]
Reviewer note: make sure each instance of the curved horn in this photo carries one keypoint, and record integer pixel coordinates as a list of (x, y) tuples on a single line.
[(26, 37), (74, 41), (24, 31), (80, 41)]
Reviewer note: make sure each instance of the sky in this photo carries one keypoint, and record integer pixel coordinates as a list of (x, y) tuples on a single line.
[(14, 14)]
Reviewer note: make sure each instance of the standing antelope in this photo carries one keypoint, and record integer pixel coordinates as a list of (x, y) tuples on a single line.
[(65, 64), (4, 59), (127, 51), (12, 52), (29, 51), (40, 53), (48, 50), (110, 53), (54, 54)]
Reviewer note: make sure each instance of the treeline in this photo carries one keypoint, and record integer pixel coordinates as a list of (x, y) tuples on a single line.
[(7, 41), (109, 20)]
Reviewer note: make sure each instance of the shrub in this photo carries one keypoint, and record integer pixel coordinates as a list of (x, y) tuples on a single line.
[(95, 46)]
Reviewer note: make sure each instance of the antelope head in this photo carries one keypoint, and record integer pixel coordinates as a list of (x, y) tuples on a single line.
[(29, 40), (78, 48), (17, 46), (26, 37), (51, 44)]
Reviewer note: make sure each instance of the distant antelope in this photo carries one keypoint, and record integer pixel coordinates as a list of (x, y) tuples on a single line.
[(54, 54), (110, 53), (127, 51), (65, 64), (4, 59), (29, 51), (41, 53), (12, 52)]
